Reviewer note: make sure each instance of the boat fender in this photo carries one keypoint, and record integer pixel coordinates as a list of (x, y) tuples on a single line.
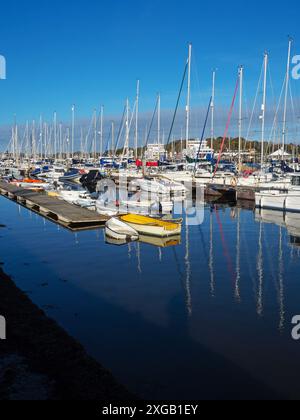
[(234, 182)]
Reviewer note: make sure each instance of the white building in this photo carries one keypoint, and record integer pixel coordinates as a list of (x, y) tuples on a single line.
[(155, 151), (196, 150), (280, 155)]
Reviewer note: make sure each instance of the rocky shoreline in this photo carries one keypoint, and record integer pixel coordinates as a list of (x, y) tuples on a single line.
[(40, 361)]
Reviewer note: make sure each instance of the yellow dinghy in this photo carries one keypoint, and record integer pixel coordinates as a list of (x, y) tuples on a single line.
[(152, 227)]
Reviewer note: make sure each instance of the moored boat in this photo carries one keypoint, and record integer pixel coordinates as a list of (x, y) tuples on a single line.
[(150, 226), (118, 230), (277, 200)]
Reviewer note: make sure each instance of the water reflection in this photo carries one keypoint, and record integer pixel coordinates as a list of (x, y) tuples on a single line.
[(290, 222), (238, 257), (211, 254), (147, 309)]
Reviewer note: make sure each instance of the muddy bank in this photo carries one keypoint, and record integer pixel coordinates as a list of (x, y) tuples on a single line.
[(39, 360)]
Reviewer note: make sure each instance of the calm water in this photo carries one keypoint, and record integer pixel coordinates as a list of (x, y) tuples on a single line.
[(208, 318)]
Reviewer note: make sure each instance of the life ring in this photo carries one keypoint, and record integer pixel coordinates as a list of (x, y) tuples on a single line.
[(233, 182)]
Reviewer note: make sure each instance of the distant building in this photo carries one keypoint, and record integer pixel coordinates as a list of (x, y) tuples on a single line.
[(155, 151), (198, 150), (280, 154)]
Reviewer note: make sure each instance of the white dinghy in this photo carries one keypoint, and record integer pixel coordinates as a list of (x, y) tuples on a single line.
[(119, 230)]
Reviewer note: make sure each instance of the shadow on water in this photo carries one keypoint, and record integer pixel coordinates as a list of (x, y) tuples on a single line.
[(164, 363)]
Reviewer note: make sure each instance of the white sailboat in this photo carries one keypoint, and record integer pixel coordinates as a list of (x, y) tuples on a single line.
[(280, 199)]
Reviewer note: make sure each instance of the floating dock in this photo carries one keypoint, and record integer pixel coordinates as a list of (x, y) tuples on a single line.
[(58, 211)]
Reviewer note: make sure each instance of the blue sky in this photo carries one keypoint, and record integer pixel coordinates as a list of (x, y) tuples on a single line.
[(91, 52)]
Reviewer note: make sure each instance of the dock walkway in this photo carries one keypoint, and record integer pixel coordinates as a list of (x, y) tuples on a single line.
[(65, 214)]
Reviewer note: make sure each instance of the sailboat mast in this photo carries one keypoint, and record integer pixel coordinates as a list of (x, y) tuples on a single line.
[(81, 143), (60, 142), (55, 135), (213, 110), (241, 73), (68, 143), (188, 98), (137, 118), (127, 128), (264, 108), (101, 130), (158, 118), (73, 131), (16, 144), (45, 141), (286, 97), (40, 145), (33, 142), (95, 134), (27, 141), (113, 137)]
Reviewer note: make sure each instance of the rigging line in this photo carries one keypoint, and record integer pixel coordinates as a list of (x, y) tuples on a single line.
[(88, 135), (199, 94), (293, 104), (129, 128), (269, 142), (23, 140), (246, 102), (183, 281), (108, 140), (9, 143), (203, 243), (254, 104), (226, 251), (272, 87), (132, 116), (177, 104), (295, 129), (227, 125), (275, 121), (120, 130), (152, 122), (203, 131)]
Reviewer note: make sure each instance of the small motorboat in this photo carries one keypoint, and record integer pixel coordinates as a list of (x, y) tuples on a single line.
[(174, 187), (154, 186), (73, 175), (107, 208), (86, 203), (71, 194), (137, 206), (118, 230), (154, 227), (30, 184)]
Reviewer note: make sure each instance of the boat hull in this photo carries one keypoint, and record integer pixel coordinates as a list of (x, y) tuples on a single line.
[(118, 230), (278, 201), (148, 226)]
